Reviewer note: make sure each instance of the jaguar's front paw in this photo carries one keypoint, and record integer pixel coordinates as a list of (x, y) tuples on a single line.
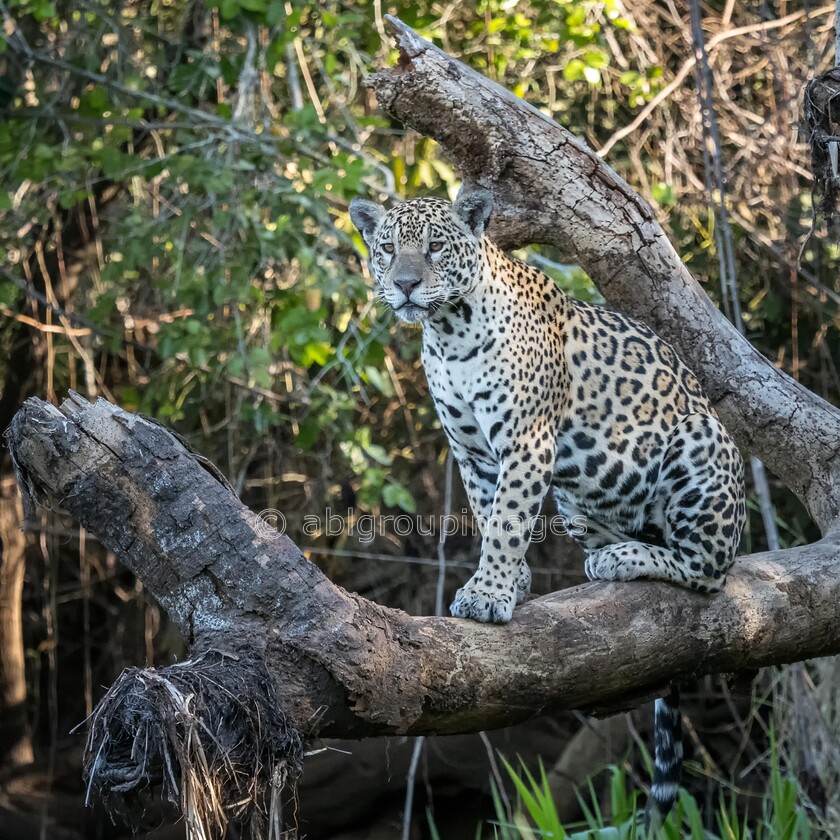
[(482, 600)]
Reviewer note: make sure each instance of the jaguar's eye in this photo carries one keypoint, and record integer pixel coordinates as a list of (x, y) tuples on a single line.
[(435, 247), (388, 247)]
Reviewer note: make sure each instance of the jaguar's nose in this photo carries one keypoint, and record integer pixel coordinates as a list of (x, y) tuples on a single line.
[(407, 284)]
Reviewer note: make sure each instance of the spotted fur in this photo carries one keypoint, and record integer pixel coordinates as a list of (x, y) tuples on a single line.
[(539, 393)]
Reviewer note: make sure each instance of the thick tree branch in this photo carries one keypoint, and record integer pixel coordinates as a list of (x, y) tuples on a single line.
[(551, 188), (344, 666)]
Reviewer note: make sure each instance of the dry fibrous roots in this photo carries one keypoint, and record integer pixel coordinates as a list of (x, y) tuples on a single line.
[(208, 733), (821, 113)]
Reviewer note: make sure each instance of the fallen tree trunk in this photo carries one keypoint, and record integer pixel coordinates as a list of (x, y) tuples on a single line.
[(343, 666), (549, 187)]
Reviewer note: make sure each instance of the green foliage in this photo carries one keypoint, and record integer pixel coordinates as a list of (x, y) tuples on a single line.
[(225, 247), (536, 798), (218, 154), (782, 815)]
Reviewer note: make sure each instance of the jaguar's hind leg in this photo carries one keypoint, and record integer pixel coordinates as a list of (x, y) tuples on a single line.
[(700, 491)]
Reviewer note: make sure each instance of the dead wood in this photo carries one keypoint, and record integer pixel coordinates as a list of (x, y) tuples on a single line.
[(343, 666), (209, 733), (550, 188), (597, 744)]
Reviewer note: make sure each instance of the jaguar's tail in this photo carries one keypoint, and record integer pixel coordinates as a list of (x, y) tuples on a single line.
[(667, 761)]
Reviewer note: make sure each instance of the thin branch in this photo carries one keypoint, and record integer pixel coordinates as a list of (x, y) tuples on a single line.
[(229, 131), (79, 320), (837, 33), (410, 782), (441, 579)]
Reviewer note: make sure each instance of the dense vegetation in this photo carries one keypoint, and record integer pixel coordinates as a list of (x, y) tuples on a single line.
[(174, 236)]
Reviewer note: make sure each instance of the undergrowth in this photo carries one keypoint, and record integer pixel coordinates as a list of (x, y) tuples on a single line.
[(534, 816)]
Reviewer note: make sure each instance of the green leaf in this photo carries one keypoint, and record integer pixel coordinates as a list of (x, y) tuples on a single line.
[(395, 495), (315, 353), (273, 13), (664, 194), (574, 70), (379, 381), (113, 163), (43, 10), (378, 454), (308, 434), (596, 58), (229, 9), (253, 5)]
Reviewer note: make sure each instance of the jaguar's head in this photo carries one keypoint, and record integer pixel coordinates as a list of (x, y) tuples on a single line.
[(424, 253)]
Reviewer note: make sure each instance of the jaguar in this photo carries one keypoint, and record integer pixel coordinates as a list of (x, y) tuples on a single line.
[(540, 395)]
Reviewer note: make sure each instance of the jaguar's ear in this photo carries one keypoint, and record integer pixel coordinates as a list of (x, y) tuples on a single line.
[(366, 215), (473, 206)]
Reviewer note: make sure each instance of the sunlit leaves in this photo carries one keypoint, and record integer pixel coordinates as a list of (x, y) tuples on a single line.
[(642, 85)]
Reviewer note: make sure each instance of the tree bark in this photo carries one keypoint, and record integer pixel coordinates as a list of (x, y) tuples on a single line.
[(344, 666), (550, 188)]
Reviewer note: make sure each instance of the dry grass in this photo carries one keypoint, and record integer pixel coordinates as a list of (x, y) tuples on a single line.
[(207, 734)]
